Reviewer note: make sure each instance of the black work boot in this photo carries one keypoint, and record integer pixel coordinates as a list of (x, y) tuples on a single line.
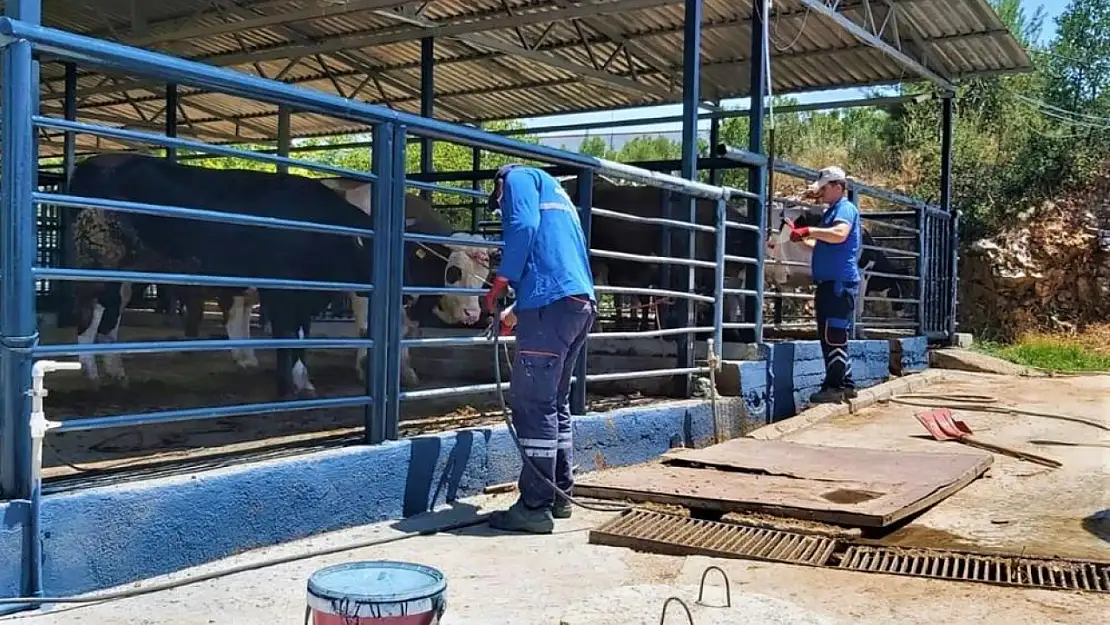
[(520, 518), (561, 509), (828, 396)]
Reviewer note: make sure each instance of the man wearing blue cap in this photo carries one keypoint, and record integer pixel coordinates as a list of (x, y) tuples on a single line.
[(835, 270), (546, 261)]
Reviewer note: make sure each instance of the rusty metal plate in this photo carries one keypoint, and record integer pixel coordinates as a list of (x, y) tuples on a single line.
[(669, 534), (1056, 574)]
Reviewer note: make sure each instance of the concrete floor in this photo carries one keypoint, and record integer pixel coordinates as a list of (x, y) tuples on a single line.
[(499, 579)]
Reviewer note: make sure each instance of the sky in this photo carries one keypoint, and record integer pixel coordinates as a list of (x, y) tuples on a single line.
[(1053, 8)]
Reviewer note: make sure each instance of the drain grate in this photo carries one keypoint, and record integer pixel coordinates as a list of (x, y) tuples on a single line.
[(1009, 571), (675, 535)]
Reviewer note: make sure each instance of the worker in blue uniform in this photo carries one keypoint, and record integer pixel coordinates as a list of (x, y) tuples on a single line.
[(546, 261), (835, 270)]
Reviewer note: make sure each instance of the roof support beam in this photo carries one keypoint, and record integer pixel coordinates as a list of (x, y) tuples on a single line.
[(866, 37)]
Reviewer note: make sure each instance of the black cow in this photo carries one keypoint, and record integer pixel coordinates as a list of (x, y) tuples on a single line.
[(117, 240), (619, 235)]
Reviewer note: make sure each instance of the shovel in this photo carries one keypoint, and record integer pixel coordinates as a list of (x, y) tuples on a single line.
[(943, 427)]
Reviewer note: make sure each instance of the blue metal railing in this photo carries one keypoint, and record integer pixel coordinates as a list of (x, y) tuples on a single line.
[(928, 261), (19, 343)]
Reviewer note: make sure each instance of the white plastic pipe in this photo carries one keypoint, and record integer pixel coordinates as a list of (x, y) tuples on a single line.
[(39, 423)]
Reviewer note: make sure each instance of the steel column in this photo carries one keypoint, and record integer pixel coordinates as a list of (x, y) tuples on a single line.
[(427, 104), (853, 197), (953, 236), (18, 326), (475, 207), (64, 289), (395, 282), (757, 87), (719, 278), (714, 141), (585, 203), (922, 270), (691, 97), (171, 119), (284, 136), (379, 318)]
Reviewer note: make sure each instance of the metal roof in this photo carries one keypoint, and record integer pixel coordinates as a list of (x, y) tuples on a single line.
[(502, 59)]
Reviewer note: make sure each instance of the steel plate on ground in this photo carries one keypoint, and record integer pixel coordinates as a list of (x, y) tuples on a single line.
[(670, 534), (841, 485)]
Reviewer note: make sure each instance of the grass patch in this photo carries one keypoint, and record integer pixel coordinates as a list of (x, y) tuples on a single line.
[(1053, 353)]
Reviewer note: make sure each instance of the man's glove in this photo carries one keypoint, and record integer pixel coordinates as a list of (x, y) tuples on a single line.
[(490, 300), (796, 233)]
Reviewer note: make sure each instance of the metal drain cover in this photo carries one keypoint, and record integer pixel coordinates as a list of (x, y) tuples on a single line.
[(1009, 571), (669, 534)]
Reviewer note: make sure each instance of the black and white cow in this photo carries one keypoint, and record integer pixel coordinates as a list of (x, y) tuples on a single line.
[(138, 242), (796, 258)]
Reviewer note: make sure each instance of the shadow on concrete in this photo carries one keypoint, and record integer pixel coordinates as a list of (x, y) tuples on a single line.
[(422, 489), (1098, 524)]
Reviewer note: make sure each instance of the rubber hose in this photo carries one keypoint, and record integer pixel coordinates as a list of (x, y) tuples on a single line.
[(496, 329), (982, 403), (144, 590)]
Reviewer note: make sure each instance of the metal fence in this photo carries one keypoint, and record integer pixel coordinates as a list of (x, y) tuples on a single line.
[(380, 400), (917, 242)]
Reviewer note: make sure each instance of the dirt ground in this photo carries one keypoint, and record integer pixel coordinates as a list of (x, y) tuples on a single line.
[(199, 379)]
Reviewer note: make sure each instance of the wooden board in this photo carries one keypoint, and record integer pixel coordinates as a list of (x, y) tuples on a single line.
[(842, 485)]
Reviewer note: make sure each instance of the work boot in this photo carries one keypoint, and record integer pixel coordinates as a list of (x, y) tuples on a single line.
[(831, 396), (561, 509), (520, 518)]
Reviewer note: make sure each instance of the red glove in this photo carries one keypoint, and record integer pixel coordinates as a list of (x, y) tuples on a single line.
[(796, 234), (490, 301)]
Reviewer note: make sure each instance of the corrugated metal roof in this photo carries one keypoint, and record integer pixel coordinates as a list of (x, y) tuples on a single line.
[(499, 59)]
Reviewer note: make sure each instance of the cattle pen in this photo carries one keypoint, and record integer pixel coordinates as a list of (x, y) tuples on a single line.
[(193, 456)]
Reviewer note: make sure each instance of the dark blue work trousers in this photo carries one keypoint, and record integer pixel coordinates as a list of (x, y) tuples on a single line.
[(835, 304), (548, 341)]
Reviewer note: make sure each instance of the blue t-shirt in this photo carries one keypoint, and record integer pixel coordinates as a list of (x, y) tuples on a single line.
[(545, 257), (838, 261)]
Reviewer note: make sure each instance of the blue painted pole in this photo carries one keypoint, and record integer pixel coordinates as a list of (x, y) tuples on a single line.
[(427, 104), (585, 204), (394, 285), (948, 115), (853, 197), (64, 290), (691, 97), (719, 281), (753, 306), (922, 269), (18, 327), (714, 141), (171, 119), (380, 313), (476, 206)]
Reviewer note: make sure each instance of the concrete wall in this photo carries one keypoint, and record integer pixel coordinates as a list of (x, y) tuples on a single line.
[(105, 536), (797, 369)]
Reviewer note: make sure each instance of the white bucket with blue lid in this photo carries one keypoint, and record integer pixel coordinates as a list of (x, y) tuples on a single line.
[(378, 592)]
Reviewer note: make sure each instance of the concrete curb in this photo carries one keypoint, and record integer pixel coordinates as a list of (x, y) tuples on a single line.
[(867, 398)]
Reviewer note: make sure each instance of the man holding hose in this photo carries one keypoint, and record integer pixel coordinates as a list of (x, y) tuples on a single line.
[(546, 261), (835, 270)]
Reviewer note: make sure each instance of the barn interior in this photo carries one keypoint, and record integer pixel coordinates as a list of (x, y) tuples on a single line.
[(467, 63)]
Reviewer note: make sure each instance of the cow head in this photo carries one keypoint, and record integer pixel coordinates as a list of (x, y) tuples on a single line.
[(467, 267)]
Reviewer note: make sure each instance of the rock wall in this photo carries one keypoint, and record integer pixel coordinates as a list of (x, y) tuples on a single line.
[(1050, 271)]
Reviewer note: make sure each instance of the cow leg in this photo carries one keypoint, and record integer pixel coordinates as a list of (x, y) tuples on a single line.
[(409, 378), (193, 300), (89, 314), (280, 309), (361, 308), (239, 328), (107, 331)]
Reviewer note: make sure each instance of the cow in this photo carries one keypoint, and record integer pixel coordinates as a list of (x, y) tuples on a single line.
[(466, 267), (797, 256), (619, 235), (115, 240)]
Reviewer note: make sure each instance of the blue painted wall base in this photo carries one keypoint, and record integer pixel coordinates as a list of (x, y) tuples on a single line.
[(797, 369), (106, 536)]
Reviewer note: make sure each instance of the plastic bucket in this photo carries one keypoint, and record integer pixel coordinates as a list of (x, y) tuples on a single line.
[(377, 593)]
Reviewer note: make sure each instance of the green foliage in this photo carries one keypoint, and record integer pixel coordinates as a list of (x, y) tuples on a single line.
[(1054, 354)]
